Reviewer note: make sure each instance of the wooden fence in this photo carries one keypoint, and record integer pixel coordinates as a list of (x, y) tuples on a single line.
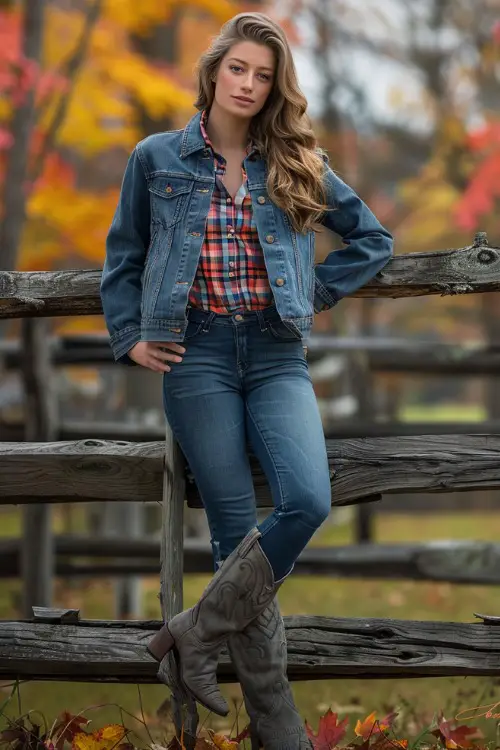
[(57, 644)]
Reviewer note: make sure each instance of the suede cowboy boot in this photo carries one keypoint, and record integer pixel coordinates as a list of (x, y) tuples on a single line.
[(239, 591), (260, 659)]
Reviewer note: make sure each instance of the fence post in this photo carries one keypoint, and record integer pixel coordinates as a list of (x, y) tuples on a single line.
[(184, 710), (40, 410)]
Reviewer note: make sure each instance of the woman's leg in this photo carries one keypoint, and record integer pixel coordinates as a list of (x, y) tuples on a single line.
[(206, 412), (286, 433)]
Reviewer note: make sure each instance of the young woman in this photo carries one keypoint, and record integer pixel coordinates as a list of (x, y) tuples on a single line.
[(210, 279)]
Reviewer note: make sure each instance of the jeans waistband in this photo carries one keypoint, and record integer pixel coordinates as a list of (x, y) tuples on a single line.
[(239, 317)]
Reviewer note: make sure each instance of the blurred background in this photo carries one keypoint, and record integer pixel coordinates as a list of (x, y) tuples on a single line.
[(405, 98)]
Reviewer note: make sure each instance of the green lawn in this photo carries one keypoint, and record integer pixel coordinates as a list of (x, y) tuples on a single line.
[(416, 699)]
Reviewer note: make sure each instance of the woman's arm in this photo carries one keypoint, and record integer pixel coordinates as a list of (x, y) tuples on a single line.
[(126, 247), (369, 245)]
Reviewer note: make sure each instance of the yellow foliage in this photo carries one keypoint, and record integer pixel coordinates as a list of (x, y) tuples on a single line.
[(139, 17), (65, 221), (102, 739), (80, 231)]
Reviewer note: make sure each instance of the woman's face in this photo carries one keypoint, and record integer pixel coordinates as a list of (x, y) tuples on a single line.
[(247, 70)]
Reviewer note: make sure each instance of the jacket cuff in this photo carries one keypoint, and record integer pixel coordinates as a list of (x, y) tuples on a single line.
[(122, 342), (323, 300)]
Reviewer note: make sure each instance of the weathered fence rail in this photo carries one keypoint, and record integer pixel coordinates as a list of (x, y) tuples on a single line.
[(360, 469), (381, 355), (468, 270), (318, 648), (476, 563)]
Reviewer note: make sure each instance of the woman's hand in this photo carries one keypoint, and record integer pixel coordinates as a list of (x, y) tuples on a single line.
[(151, 354)]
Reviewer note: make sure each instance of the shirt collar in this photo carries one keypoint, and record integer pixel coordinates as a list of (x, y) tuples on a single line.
[(203, 121)]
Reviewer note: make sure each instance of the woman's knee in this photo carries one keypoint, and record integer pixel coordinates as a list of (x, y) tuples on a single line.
[(315, 508)]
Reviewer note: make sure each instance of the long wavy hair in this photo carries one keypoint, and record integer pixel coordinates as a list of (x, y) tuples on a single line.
[(282, 130)]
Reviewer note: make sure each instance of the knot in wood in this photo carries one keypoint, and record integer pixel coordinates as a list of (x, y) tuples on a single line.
[(384, 633), (487, 256)]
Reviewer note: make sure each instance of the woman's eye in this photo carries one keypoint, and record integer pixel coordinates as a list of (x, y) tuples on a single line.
[(235, 67)]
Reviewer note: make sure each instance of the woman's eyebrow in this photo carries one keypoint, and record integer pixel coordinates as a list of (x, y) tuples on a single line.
[(245, 63)]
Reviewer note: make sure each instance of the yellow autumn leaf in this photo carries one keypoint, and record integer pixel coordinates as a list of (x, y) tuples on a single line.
[(222, 742), (102, 739)]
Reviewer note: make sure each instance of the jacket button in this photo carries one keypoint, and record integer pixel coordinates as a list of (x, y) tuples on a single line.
[(261, 199), (168, 189), (280, 282), (175, 330), (269, 238), (325, 307)]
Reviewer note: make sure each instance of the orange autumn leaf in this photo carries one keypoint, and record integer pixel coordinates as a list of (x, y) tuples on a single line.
[(371, 725), (221, 742), (330, 732), (105, 738)]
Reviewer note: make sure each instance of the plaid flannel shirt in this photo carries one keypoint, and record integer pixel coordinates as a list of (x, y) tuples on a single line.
[(231, 273)]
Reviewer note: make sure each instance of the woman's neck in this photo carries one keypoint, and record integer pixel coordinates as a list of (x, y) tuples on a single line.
[(225, 131)]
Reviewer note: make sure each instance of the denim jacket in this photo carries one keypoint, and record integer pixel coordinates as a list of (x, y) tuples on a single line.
[(154, 242)]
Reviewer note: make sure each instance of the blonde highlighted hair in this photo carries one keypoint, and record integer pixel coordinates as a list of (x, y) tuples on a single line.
[(282, 129)]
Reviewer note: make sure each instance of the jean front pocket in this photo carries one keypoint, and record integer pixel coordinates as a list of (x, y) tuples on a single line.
[(192, 330), (279, 330)]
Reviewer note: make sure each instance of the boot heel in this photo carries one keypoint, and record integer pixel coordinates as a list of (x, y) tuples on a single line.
[(161, 643)]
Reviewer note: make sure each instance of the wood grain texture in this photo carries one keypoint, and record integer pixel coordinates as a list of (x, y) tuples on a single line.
[(318, 648), (360, 468), (471, 269)]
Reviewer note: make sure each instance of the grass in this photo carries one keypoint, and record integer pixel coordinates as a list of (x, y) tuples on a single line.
[(443, 412), (417, 699)]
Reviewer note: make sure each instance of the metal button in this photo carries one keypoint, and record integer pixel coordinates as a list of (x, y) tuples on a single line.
[(168, 189), (175, 330), (269, 238), (231, 262), (228, 200), (196, 234), (238, 317), (261, 199), (280, 282), (231, 273), (325, 307), (230, 236)]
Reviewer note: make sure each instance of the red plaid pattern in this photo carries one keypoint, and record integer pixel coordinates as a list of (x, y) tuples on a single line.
[(231, 273)]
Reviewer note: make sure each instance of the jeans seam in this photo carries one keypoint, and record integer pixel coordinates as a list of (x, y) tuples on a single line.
[(282, 494)]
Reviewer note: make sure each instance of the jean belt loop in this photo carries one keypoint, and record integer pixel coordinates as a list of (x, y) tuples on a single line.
[(208, 322), (262, 320)]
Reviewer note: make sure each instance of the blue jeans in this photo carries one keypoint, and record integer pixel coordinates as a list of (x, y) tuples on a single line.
[(244, 381)]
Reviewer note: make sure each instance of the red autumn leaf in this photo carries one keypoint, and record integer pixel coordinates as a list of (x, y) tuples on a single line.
[(6, 139), (478, 198), (243, 734), (329, 731), (67, 725), (495, 32), (371, 726), (456, 737)]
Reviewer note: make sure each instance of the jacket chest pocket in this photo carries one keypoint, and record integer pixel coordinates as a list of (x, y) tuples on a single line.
[(169, 198)]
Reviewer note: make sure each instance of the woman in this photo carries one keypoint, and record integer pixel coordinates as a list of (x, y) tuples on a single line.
[(212, 245)]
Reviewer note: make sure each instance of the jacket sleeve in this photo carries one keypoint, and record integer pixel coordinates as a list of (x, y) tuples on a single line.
[(369, 245), (127, 243)]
